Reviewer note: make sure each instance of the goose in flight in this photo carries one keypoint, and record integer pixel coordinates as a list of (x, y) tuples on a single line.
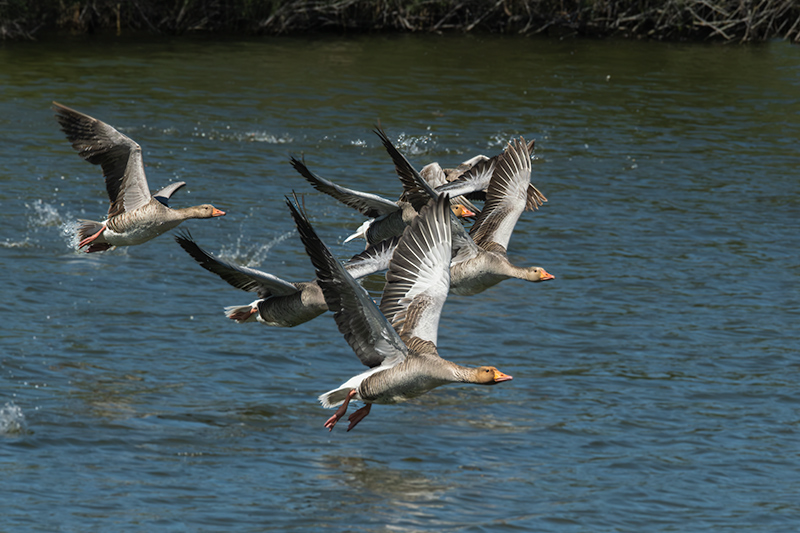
[(281, 303), (479, 259), (398, 340), (134, 216), (387, 218)]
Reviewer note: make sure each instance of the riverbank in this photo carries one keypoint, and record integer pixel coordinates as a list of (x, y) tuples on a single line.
[(725, 20)]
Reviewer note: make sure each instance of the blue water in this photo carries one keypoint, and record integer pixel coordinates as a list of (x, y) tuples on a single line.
[(655, 380)]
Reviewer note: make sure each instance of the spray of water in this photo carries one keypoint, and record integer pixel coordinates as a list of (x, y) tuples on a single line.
[(12, 420)]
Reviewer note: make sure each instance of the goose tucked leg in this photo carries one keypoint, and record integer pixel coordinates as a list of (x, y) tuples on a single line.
[(91, 238), (340, 411), (358, 416), (242, 315)]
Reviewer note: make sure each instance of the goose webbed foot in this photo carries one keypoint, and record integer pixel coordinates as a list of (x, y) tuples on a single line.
[(341, 411), (91, 238), (358, 416)]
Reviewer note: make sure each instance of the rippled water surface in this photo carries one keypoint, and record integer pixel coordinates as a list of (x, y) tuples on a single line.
[(655, 379)]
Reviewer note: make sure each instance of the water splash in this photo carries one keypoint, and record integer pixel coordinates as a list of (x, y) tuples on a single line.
[(411, 145), (69, 232), (249, 136), (267, 138), (44, 214), (252, 255), (12, 420)]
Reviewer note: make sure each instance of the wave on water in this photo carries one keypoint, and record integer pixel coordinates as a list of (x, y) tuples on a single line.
[(24, 243), (12, 420), (249, 136)]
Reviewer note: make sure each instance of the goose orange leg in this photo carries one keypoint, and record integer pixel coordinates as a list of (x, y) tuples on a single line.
[(358, 416), (91, 238), (243, 315), (340, 411)]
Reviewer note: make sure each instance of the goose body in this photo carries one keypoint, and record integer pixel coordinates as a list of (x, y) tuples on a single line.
[(397, 340), (281, 303), (134, 216)]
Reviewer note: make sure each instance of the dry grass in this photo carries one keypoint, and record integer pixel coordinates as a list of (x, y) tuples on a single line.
[(727, 20)]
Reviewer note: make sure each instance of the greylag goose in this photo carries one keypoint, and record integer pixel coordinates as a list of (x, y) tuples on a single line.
[(282, 303), (471, 179), (134, 216), (479, 258), (387, 218), (398, 340)]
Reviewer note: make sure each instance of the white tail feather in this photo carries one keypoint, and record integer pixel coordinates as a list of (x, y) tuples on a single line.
[(361, 231)]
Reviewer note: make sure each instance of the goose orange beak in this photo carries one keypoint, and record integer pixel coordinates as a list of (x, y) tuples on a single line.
[(217, 213), (499, 376), (462, 211), (546, 276)]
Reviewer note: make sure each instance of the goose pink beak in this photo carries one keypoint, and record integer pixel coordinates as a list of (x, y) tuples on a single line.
[(217, 213)]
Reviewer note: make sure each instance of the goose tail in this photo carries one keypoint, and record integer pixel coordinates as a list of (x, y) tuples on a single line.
[(361, 231), (335, 397)]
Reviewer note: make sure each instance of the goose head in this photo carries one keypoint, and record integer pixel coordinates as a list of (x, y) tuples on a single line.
[(462, 211), (205, 211), (489, 375), (537, 274)]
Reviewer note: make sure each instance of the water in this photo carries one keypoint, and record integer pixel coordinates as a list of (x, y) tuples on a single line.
[(655, 378)]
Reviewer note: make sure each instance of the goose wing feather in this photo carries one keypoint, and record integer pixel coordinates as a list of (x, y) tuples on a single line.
[(166, 193), (373, 259), (367, 204), (475, 180), (241, 277), (118, 155), (418, 279), (506, 197), (365, 329)]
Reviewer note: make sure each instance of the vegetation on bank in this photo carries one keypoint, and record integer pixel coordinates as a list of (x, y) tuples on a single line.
[(727, 20)]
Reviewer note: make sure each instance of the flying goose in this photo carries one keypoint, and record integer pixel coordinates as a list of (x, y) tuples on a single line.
[(479, 258), (387, 218), (282, 303), (398, 340), (471, 179), (134, 216)]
